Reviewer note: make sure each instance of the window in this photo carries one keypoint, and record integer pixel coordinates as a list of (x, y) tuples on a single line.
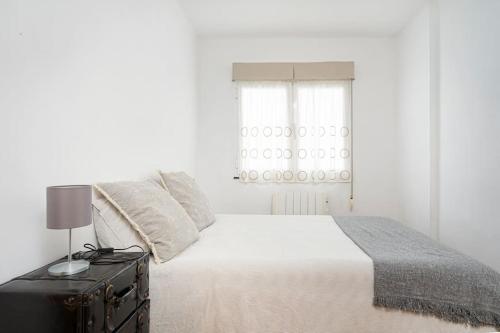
[(295, 132)]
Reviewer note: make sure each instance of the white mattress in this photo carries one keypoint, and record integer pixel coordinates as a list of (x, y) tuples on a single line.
[(267, 274)]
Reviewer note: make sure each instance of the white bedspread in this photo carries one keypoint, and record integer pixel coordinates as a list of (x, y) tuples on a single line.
[(270, 274)]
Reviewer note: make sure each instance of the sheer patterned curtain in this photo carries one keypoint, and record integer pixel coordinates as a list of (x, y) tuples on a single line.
[(294, 132), (265, 145), (322, 122)]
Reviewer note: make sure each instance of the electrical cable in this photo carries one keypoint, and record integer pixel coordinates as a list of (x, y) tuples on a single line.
[(99, 256)]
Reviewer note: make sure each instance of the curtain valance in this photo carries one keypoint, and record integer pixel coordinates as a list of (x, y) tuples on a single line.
[(303, 71)]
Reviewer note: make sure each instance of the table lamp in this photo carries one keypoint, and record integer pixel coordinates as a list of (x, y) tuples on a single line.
[(69, 207)]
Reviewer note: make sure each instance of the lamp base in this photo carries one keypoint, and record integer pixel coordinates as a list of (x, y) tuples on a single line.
[(69, 268)]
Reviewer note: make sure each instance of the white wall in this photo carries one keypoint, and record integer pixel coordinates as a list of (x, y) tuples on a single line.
[(470, 127), (374, 121), (89, 91), (414, 121)]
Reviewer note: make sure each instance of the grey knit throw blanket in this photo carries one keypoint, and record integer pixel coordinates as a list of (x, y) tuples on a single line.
[(414, 273)]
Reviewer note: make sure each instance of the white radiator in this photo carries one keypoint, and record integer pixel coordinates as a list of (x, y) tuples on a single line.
[(300, 203)]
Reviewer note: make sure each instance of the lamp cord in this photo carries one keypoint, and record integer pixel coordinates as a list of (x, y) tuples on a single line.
[(97, 256)]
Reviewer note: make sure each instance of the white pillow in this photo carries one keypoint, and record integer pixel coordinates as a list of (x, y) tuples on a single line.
[(161, 221), (185, 190), (111, 228)]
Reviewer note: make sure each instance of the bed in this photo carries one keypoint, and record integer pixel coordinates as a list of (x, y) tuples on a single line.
[(266, 274)]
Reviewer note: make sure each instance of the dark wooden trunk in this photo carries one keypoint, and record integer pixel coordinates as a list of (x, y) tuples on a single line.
[(105, 298)]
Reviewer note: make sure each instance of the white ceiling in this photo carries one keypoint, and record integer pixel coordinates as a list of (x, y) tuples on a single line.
[(299, 17)]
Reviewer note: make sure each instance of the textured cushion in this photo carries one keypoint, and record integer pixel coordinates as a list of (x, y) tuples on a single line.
[(161, 221), (112, 229), (185, 190)]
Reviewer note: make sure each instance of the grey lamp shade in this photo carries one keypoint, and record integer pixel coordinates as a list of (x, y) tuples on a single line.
[(69, 206)]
